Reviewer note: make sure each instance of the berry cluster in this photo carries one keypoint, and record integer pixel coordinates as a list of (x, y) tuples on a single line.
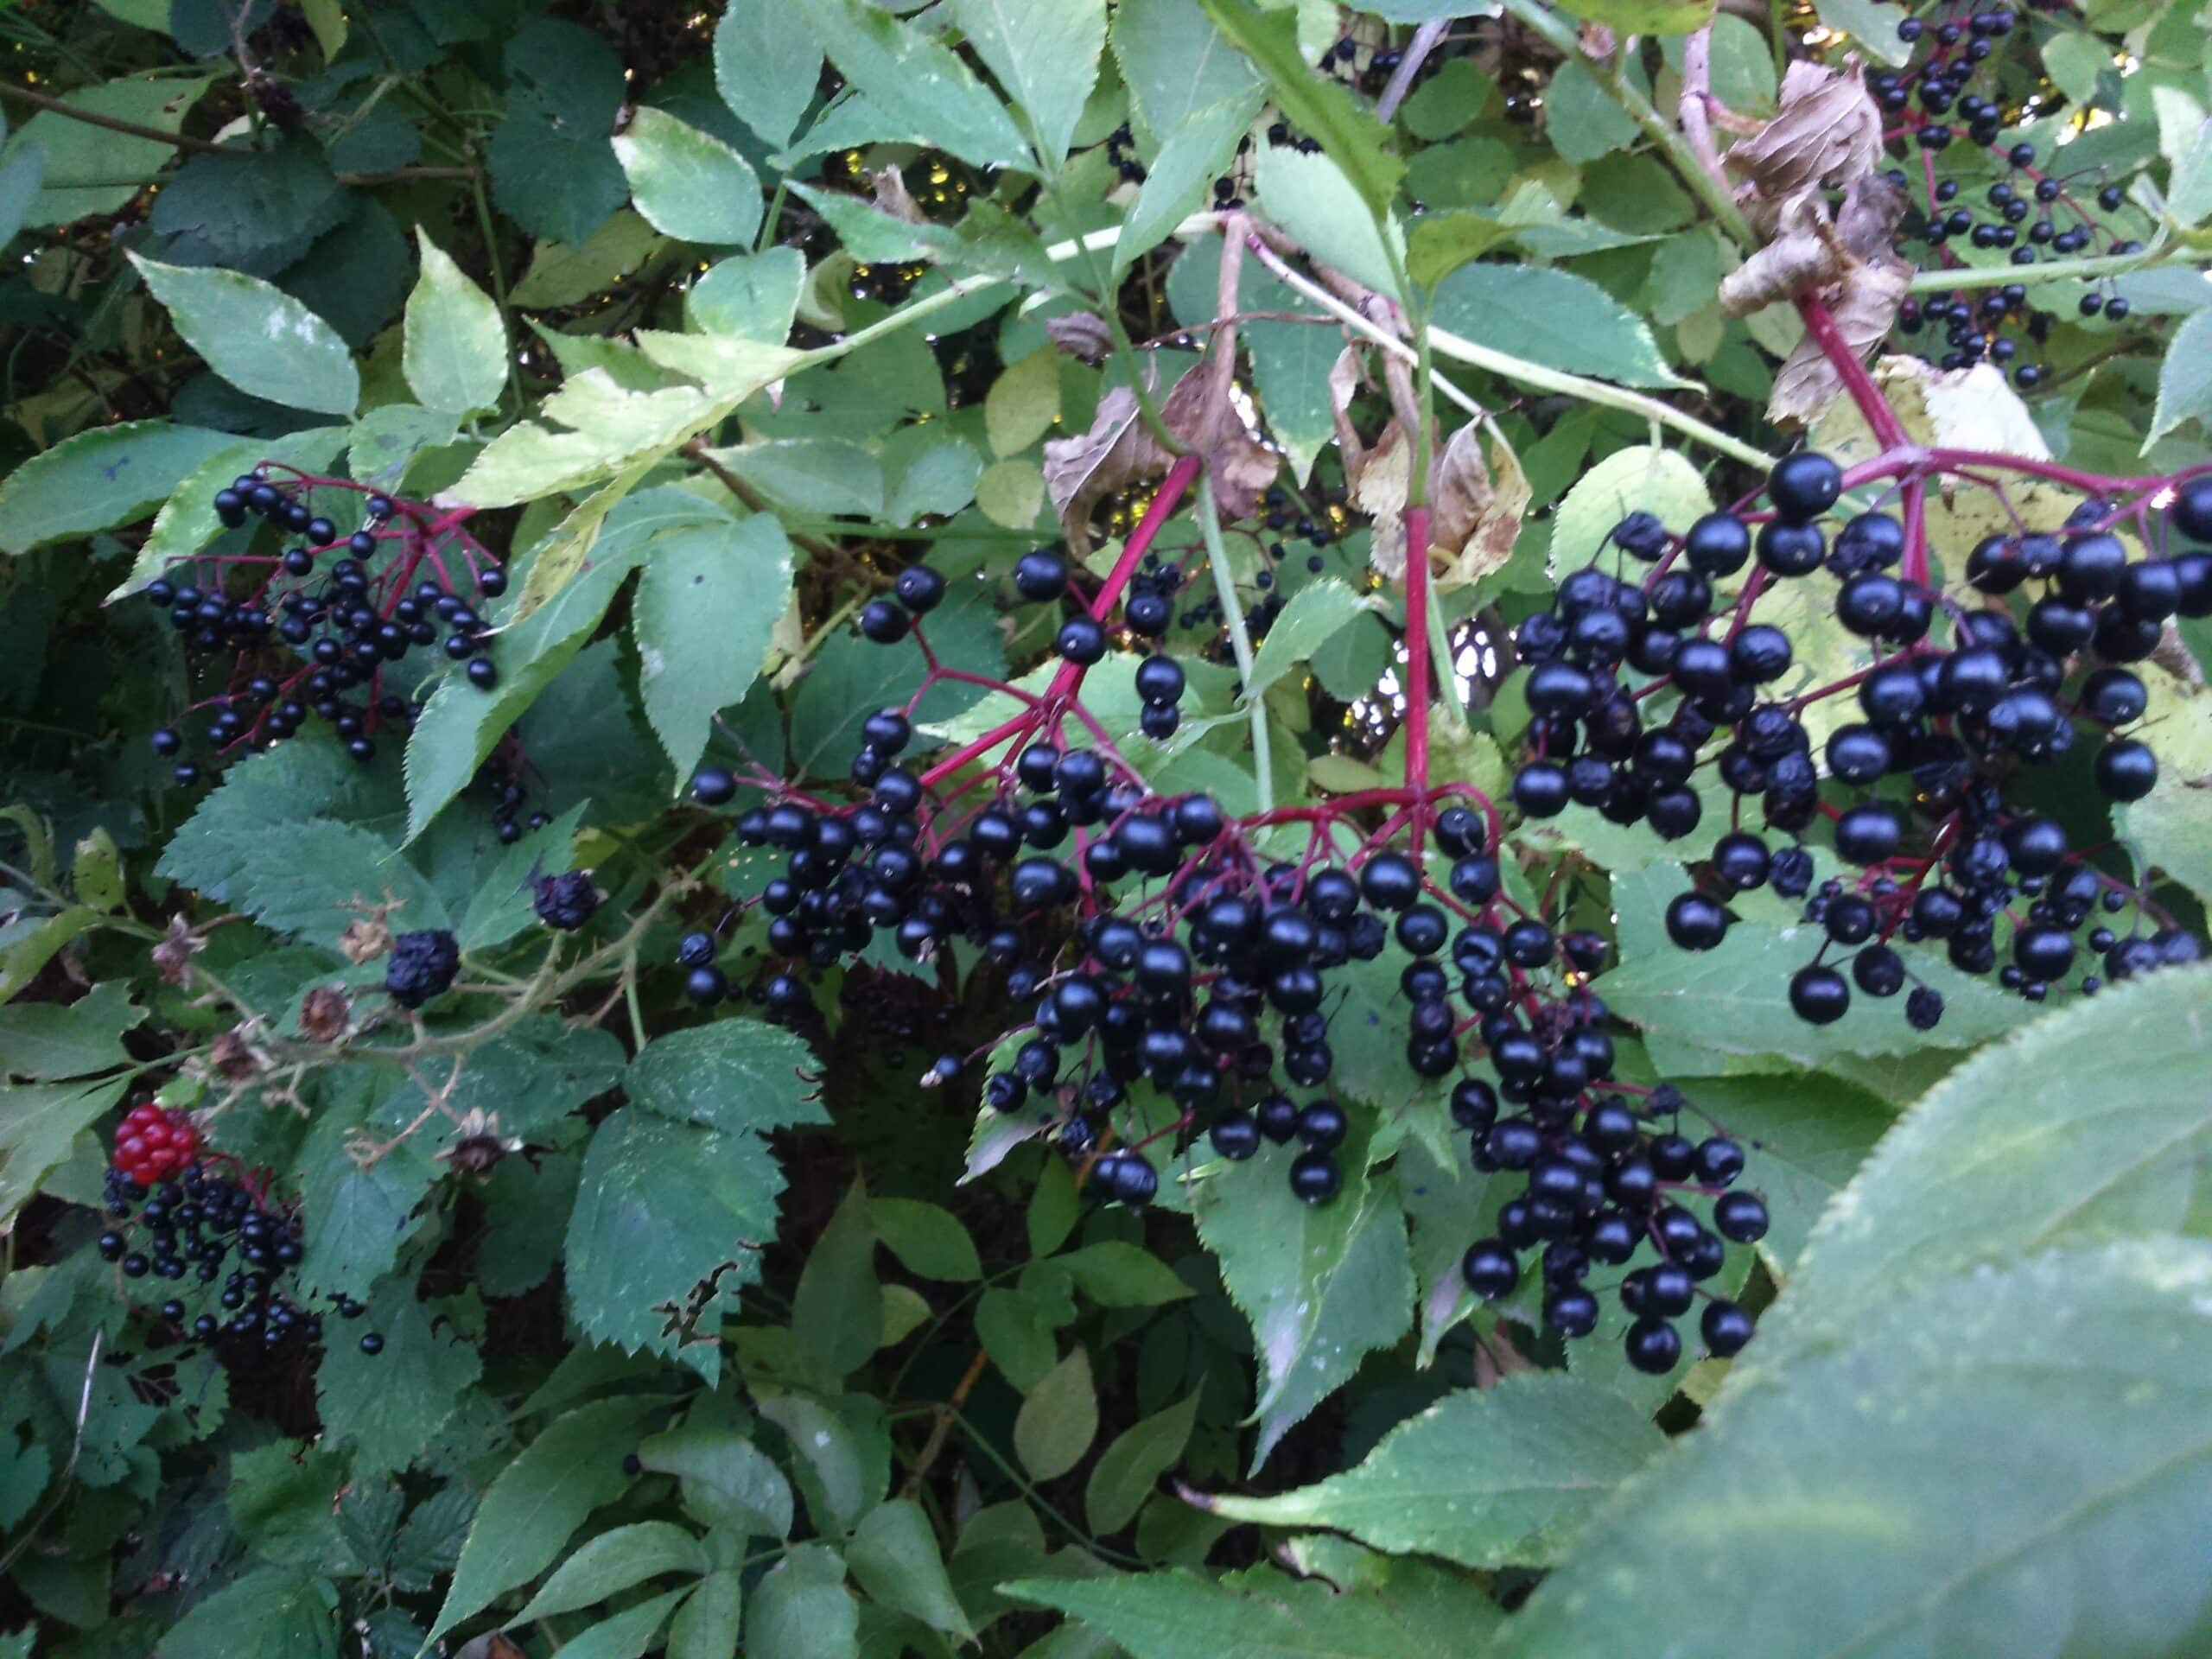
[(1946, 728), (292, 634), (1173, 963), (421, 965), (565, 902), (2026, 211), (195, 1219)]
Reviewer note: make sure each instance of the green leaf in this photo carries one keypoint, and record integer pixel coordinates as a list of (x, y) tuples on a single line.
[(669, 1219), (929, 1240), (356, 1218), (1318, 105), (1044, 52), (1016, 1332), (1873, 27), (19, 174), (727, 1481), (918, 82), (88, 170), (2035, 1142), (1551, 317), (707, 1626), (1321, 1284), (187, 521), (49, 1040), (1874, 1448), (753, 296), (561, 275), (843, 1464), (539, 1500), (801, 1608), (273, 1610), (826, 475), (455, 344), (1261, 1614), (1126, 1471), (687, 183), (738, 1076), (1500, 1476), (613, 1561), (611, 427), (625, 1635), (2188, 198), (550, 162), (2073, 60), (1176, 62), (1116, 1274), (1662, 482), (252, 210), (1059, 1420), (37, 1124), (462, 721), (838, 1309), (1316, 614), (100, 477), (1644, 16), (388, 1406), (894, 1556), (1309, 196), (2185, 378), (767, 65), (1180, 182), (255, 336), (708, 598)]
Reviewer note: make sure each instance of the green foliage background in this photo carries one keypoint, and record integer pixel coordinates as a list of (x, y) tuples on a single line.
[(760, 1345)]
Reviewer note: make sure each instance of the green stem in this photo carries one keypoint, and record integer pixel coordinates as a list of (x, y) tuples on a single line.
[(2086, 268), (1240, 640), (1613, 77), (498, 282)]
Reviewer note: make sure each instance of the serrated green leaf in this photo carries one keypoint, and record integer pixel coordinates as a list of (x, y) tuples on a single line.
[(843, 1454), (274, 1610), (37, 1124), (1316, 614), (1662, 482), (739, 1076), (1322, 1285), (550, 160), (928, 1239), (45, 1042), (357, 1217), (707, 1625), (687, 183), (895, 1557), (539, 1500), (708, 601), (837, 1308), (1116, 1274), (1874, 1447), (561, 275), (1176, 62), (824, 475), (1308, 195), (726, 1480), (1058, 1419), (625, 1635), (455, 344), (1179, 181), (388, 1406), (2184, 378), (767, 65), (101, 478), (613, 1561), (1350, 136), (255, 211), (753, 296), (87, 169), (801, 1608), (255, 336), (1127, 1470), (1044, 52), (1551, 317), (20, 174), (1262, 1614), (918, 81), (1499, 1477)]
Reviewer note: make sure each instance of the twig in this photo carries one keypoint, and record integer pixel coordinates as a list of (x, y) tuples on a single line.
[(947, 1414), (1693, 106), (1401, 78), (1240, 640), (754, 501), (131, 129)]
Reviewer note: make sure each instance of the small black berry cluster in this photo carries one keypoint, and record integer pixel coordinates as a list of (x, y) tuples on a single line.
[(290, 634), (1954, 723), (195, 1222), (565, 902), (421, 965)]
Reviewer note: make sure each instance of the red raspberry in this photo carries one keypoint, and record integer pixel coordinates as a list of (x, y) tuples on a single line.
[(154, 1143)]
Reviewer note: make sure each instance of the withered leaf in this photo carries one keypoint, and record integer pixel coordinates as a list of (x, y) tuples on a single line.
[(1113, 454), (1803, 253), (1204, 417), (1080, 334), (1865, 305), (1827, 132)]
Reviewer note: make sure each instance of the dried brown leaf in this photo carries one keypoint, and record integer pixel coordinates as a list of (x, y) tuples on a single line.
[(892, 196), (1864, 304), (173, 956), (1113, 454), (1866, 224), (1802, 254), (1377, 484), (1204, 417), (1826, 133), (1479, 506), (324, 1014)]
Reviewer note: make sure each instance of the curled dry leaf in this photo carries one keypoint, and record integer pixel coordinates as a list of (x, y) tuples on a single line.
[(1802, 253), (1864, 305), (892, 196), (1080, 334), (1118, 451), (1113, 454), (1826, 133), (173, 956), (1475, 505)]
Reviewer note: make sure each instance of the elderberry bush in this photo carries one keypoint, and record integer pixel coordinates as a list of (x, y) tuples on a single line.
[(1638, 683), (326, 626)]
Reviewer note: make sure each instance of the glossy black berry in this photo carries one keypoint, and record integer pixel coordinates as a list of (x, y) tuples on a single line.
[(1819, 995), (1653, 1346), (884, 621), (1041, 575), (920, 589), (1804, 486), (1081, 640), (1695, 922)]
